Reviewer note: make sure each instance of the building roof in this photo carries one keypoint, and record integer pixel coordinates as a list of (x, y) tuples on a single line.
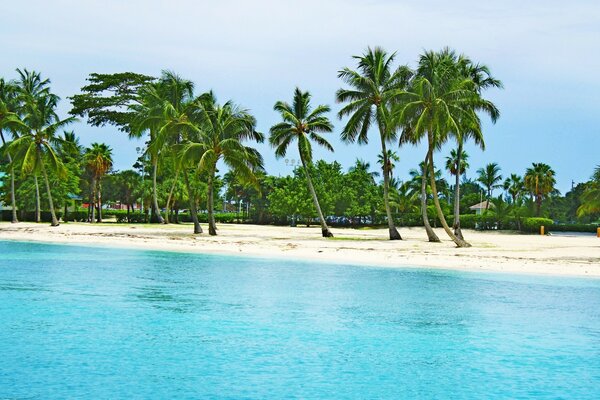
[(481, 206)]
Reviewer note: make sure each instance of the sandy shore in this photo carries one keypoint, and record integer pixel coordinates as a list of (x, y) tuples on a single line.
[(491, 251)]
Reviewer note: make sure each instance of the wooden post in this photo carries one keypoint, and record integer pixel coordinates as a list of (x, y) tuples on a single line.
[(542, 230), (598, 231)]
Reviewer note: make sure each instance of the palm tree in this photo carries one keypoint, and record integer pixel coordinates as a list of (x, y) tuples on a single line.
[(303, 124), (373, 89), (457, 163), (387, 162), (176, 114), (481, 78), (590, 198), (35, 148), (439, 102), (222, 129), (419, 183), (540, 181), (9, 119), (515, 187), (491, 179), (98, 159)]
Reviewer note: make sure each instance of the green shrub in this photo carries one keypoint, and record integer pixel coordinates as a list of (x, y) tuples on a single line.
[(76, 216), (533, 225), (574, 228)]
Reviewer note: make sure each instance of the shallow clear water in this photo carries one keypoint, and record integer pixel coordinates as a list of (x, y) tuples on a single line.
[(79, 322)]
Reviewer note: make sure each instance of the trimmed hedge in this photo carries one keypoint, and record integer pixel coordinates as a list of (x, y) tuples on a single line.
[(532, 225), (29, 216), (575, 228)]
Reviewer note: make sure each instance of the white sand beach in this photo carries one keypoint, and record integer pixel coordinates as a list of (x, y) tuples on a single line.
[(491, 251)]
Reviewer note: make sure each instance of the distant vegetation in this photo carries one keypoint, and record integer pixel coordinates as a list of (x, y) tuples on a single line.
[(47, 175)]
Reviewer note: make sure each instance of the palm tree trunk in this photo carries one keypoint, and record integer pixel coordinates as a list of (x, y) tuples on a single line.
[(193, 205), (168, 206), (154, 194), (99, 200), (456, 224), (394, 234), (13, 202), (324, 228), (430, 233), (38, 211), (436, 200), (212, 228), (93, 202), (50, 202)]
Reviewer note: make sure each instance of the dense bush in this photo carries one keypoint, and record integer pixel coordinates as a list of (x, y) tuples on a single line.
[(28, 216), (533, 225), (574, 227), (76, 216)]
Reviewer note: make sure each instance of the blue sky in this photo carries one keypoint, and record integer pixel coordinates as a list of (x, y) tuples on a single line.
[(547, 53)]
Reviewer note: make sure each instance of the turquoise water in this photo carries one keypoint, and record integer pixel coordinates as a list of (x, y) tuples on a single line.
[(98, 323)]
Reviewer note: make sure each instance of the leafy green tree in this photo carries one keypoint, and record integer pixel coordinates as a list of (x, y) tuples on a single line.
[(539, 180), (222, 130), (490, 177), (372, 91), (302, 124), (70, 152)]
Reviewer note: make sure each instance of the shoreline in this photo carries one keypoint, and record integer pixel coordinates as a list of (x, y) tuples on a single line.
[(496, 252)]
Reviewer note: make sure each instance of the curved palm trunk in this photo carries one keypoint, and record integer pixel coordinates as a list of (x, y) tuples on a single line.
[(436, 201), (168, 206), (38, 211), (430, 233), (212, 227), (13, 202), (324, 228), (93, 202), (456, 224), (154, 194), (394, 234), (50, 202), (193, 205)]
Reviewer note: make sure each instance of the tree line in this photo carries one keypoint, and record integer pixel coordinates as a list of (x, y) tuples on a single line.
[(188, 135)]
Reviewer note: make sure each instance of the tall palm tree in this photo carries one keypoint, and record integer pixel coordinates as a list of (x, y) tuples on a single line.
[(457, 163), (491, 179), (98, 159), (482, 79), (31, 88), (515, 187), (539, 180), (440, 102), (176, 124), (35, 148), (9, 120), (302, 124), (372, 91), (222, 131)]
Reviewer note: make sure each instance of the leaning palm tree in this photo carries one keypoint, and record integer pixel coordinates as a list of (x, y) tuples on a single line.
[(303, 124), (98, 159), (457, 163), (440, 102), (419, 184), (369, 99), (491, 179), (222, 129), (539, 180), (35, 148)]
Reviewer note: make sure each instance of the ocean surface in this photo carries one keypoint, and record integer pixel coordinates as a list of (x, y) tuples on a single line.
[(101, 323)]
